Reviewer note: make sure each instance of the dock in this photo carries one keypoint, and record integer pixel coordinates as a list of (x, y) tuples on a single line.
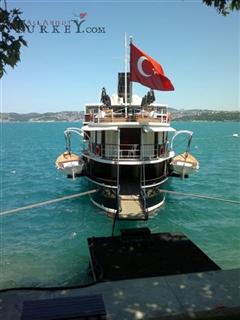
[(137, 253), (199, 296), (130, 207), (137, 275)]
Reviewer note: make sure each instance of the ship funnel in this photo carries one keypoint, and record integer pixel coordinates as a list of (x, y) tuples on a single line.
[(121, 86)]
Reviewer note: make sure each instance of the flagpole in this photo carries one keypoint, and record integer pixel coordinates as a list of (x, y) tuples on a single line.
[(125, 78), (130, 82)]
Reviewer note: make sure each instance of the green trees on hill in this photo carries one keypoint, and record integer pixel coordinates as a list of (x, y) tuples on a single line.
[(211, 116)]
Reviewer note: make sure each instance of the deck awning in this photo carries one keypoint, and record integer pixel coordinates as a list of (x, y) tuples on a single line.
[(98, 128), (158, 129)]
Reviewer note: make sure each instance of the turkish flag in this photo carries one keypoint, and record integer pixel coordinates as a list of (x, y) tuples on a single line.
[(147, 71)]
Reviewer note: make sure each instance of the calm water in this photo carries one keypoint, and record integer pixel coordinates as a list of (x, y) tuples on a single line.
[(47, 246)]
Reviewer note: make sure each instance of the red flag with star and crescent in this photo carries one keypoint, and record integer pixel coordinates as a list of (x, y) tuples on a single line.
[(147, 71)]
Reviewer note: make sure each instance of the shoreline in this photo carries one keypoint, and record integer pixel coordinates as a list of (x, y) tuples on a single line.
[(77, 121)]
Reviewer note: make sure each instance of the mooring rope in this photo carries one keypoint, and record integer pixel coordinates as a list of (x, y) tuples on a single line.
[(201, 196), (77, 195), (40, 204)]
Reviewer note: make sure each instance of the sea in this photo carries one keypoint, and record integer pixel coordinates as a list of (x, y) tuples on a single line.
[(47, 246)]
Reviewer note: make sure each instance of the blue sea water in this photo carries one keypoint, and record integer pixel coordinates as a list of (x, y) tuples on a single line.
[(47, 246)]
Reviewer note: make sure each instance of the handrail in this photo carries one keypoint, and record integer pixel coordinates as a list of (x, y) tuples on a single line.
[(154, 180), (128, 151), (130, 112), (143, 192), (116, 215), (144, 202), (118, 201)]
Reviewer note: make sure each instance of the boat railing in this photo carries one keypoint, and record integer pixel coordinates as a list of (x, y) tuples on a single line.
[(112, 151), (148, 183), (128, 114), (129, 151), (118, 206), (154, 151)]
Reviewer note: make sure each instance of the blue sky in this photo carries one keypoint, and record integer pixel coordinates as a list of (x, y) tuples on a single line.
[(197, 47)]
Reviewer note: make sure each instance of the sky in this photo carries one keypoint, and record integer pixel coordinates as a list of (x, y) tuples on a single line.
[(197, 47)]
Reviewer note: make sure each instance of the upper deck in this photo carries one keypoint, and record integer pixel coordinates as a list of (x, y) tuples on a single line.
[(98, 113)]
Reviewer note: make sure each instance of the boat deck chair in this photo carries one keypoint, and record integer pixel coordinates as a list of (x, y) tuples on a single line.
[(133, 151)]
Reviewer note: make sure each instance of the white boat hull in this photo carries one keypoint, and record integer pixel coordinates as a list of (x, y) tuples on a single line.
[(184, 168), (70, 164), (184, 163), (71, 169)]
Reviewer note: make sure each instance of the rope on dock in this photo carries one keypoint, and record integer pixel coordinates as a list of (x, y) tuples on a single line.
[(40, 204), (201, 196)]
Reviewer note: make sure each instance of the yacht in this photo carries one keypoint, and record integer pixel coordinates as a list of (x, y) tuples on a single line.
[(127, 157)]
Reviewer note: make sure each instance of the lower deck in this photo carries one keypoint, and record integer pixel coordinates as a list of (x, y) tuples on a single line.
[(130, 203), (131, 191), (131, 176)]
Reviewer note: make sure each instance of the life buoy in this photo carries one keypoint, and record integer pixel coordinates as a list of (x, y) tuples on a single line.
[(90, 116), (161, 149), (97, 150), (168, 117)]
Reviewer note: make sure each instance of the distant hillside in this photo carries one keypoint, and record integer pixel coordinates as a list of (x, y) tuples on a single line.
[(205, 115), (72, 116)]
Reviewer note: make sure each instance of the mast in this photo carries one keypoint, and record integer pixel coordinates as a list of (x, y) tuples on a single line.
[(125, 80), (130, 82)]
